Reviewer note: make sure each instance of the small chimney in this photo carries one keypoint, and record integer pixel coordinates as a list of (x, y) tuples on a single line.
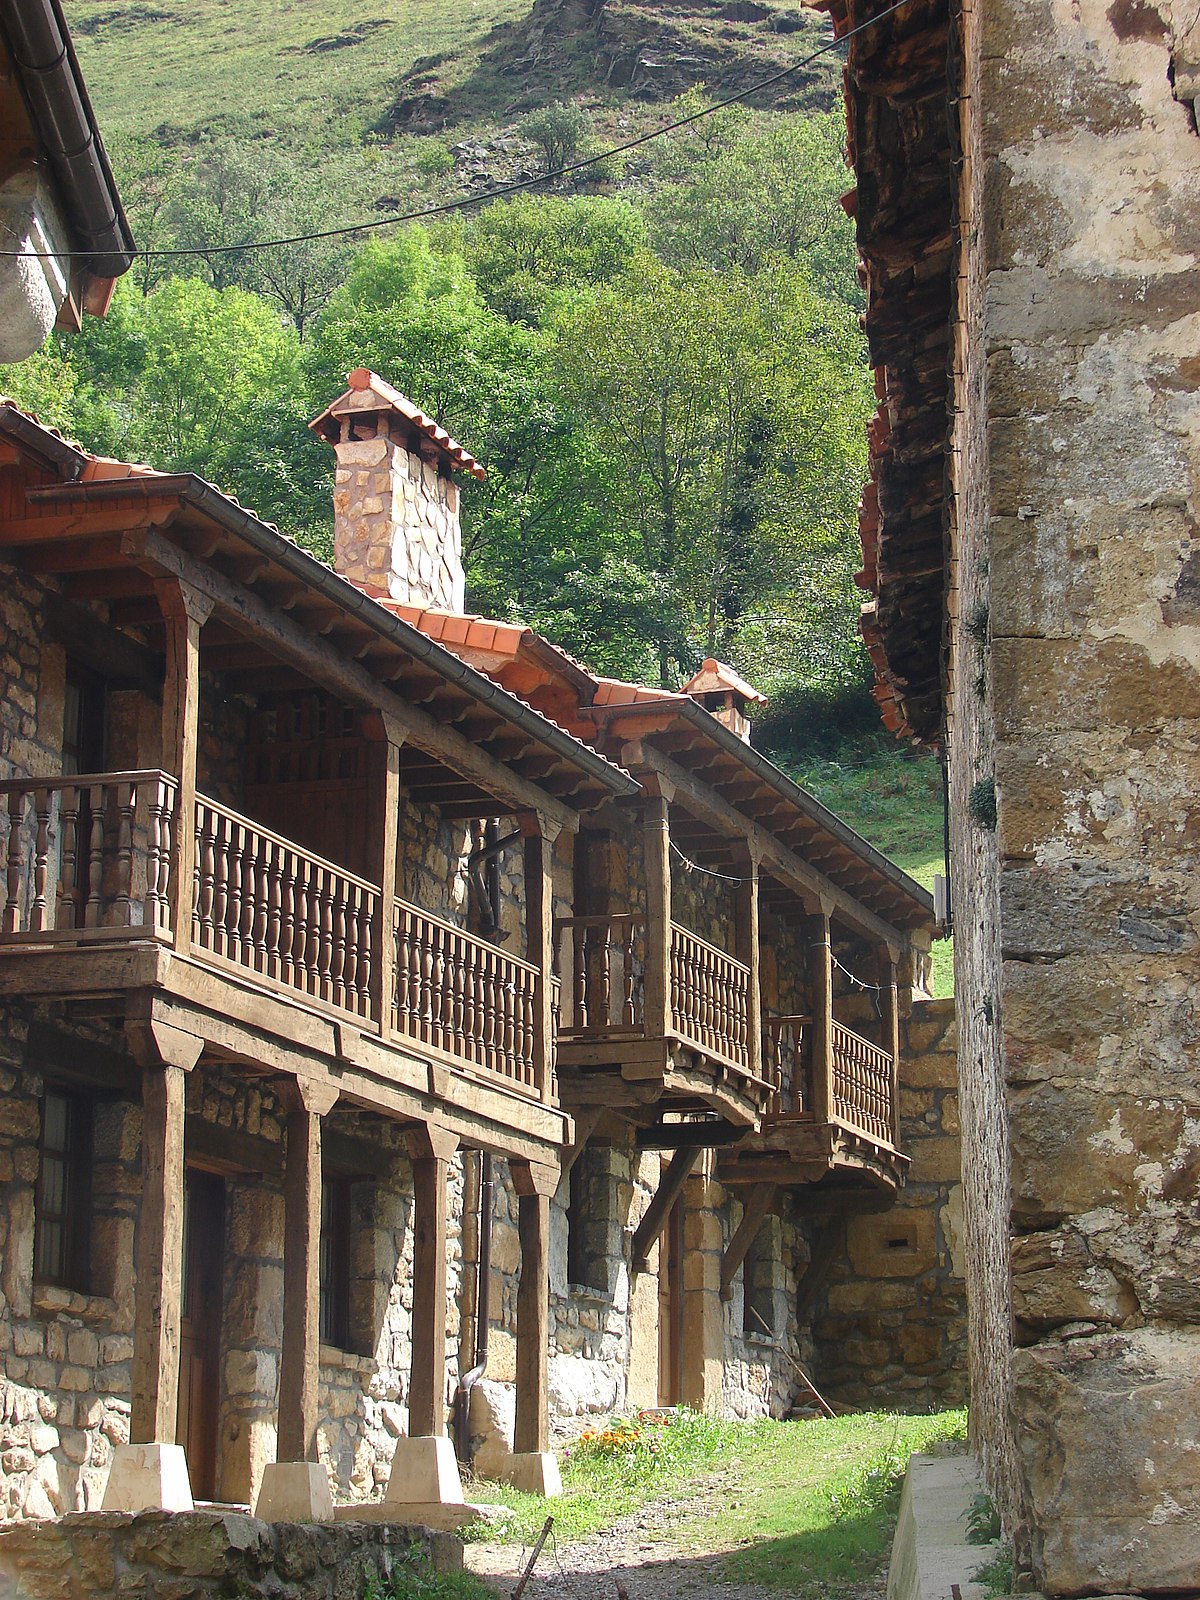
[(396, 526), (726, 694)]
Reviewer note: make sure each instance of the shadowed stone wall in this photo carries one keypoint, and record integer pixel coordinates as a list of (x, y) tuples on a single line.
[(889, 1321), (1077, 693)]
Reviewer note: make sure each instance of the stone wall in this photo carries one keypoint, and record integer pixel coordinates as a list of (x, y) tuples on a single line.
[(213, 1554), (1084, 553), (889, 1322)]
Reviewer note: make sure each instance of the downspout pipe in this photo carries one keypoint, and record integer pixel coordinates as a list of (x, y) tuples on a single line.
[(483, 1295)]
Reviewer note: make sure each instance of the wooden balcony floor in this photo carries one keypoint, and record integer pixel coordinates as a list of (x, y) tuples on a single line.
[(625, 1070), (797, 1151)]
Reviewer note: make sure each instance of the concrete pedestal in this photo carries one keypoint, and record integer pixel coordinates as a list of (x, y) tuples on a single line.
[(535, 1473), (148, 1477), (294, 1491), (424, 1472)]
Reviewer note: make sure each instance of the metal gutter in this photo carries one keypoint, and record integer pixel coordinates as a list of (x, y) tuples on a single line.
[(65, 124)]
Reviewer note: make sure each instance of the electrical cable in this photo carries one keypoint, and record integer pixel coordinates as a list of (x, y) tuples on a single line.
[(449, 206)]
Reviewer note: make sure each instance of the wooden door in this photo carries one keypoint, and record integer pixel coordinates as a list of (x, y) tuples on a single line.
[(200, 1333), (670, 1309)]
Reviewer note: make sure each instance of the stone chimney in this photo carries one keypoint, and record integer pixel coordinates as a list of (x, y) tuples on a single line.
[(726, 694), (396, 527)]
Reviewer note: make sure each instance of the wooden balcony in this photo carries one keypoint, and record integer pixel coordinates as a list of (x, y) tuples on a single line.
[(89, 862), (611, 1050), (839, 1125)]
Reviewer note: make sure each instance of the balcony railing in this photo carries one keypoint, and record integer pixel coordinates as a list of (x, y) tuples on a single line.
[(87, 858), (710, 998), (784, 1065), (90, 858), (465, 998), (262, 903), (861, 1092), (606, 958)]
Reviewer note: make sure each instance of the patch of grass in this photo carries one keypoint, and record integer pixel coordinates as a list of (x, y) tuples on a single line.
[(413, 1578), (804, 1506)]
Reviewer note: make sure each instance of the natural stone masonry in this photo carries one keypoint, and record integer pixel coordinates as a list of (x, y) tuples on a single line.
[(1075, 469), (890, 1321), (157, 1555), (396, 514)]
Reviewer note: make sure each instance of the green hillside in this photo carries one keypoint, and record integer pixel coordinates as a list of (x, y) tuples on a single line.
[(321, 73)]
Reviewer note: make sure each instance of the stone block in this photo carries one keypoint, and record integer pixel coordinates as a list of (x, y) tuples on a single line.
[(294, 1491), (1106, 1429), (424, 1470), (892, 1244), (535, 1473), (145, 1477), (493, 1426)]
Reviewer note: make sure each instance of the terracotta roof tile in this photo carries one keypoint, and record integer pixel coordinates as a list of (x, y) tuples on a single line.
[(716, 676), (369, 393)]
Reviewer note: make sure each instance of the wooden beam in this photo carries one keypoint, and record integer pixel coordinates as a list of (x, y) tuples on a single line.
[(300, 1348), (185, 611), (712, 808), (705, 1133), (891, 1039), (431, 1204), (746, 948), (539, 836), (158, 1296), (670, 1188), (820, 985), (319, 659), (656, 836), (531, 1433), (758, 1204)]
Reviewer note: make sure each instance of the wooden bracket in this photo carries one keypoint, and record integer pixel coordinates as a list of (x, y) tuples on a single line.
[(532, 1178), (318, 1096), (428, 1141), (158, 1044), (760, 1202), (650, 1228)]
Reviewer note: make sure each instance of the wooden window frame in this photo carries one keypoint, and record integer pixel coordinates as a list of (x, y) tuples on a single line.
[(70, 1263)]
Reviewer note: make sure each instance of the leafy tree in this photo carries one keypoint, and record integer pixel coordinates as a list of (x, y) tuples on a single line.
[(558, 131)]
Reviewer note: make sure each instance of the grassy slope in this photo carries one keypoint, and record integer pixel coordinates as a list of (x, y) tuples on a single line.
[(804, 1506)]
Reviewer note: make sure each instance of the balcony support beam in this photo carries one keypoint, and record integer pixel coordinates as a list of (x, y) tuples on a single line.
[(820, 990), (891, 1036), (650, 1228), (535, 1184), (746, 949), (656, 833), (185, 610), (299, 1363), (431, 1148), (540, 833), (387, 738), (760, 1202)]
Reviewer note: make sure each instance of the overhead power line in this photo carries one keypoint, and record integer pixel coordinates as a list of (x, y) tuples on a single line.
[(498, 193)]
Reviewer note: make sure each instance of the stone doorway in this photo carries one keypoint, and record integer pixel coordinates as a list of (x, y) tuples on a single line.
[(200, 1328), (670, 1309)]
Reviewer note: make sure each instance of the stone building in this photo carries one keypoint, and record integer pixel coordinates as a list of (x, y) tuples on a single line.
[(1028, 178), (61, 221), (402, 1025)]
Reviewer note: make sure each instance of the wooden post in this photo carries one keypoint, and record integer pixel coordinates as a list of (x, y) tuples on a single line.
[(540, 834), (300, 1353), (891, 1033), (431, 1149), (820, 983), (656, 836), (534, 1185), (383, 816), (746, 948), (759, 1203), (185, 612), (166, 1055)]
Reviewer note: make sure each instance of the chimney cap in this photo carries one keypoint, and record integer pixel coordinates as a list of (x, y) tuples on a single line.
[(370, 396), (715, 677)]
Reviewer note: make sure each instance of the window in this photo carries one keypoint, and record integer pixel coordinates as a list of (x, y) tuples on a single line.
[(335, 1262), (588, 1215), (61, 1249)]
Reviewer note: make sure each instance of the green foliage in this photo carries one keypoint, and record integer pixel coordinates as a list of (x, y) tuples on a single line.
[(996, 1575), (559, 131), (983, 1520), (413, 1578)]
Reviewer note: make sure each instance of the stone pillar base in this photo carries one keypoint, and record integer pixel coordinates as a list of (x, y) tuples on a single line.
[(424, 1472), (294, 1491), (148, 1477), (534, 1473)]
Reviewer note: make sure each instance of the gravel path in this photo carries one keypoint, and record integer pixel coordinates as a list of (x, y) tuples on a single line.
[(640, 1558)]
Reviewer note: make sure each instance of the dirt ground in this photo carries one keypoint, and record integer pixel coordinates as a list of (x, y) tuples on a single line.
[(640, 1558)]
